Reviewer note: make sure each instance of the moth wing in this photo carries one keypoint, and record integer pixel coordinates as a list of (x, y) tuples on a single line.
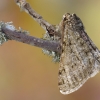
[(77, 63)]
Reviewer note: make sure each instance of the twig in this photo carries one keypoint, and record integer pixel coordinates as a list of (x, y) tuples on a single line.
[(43, 23), (19, 35)]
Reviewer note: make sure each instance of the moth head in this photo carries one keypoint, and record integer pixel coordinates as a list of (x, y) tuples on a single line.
[(72, 21)]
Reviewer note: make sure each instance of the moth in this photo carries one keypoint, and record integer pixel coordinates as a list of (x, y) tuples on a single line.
[(80, 58)]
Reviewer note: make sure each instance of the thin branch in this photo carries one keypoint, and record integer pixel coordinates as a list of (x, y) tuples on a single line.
[(12, 34), (43, 23)]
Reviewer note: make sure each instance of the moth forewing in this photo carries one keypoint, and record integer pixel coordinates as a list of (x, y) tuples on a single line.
[(77, 61)]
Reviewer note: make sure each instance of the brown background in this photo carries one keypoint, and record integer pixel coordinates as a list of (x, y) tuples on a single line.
[(25, 72)]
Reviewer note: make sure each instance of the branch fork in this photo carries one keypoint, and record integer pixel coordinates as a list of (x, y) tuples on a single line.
[(9, 32)]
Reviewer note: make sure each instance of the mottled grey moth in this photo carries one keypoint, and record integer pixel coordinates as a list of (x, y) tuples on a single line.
[(80, 58)]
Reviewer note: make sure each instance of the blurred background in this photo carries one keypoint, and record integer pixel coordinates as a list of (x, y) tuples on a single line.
[(25, 72)]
